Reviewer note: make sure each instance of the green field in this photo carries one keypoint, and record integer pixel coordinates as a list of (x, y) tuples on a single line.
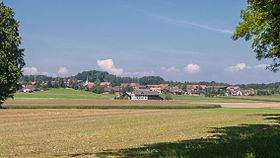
[(185, 127), (56, 94), (62, 94)]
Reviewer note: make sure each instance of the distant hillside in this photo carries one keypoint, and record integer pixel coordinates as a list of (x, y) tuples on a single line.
[(101, 76), (31, 78), (98, 76)]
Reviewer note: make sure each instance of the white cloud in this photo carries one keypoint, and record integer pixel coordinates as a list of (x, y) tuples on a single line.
[(33, 71), (63, 71), (170, 69), (237, 67), (192, 68), (108, 65), (30, 71), (182, 22), (261, 66), (242, 66)]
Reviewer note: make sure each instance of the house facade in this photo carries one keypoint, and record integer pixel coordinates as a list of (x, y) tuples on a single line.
[(196, 89), (233, 91), (143, 95)]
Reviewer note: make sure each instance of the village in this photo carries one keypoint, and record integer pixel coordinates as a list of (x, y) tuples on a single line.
[(135, 91)]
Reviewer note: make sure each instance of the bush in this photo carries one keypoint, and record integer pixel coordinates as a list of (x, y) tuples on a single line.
[(168, 97)]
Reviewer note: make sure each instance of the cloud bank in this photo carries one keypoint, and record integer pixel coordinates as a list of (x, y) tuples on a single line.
[(242, 66), (170, 69), (237, 67), (62, 71), (30, 71)]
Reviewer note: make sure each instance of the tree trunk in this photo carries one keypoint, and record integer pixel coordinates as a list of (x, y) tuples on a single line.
[(1, 102)]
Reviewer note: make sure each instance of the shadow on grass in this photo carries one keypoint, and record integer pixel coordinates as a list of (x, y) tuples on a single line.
[(247, 140)]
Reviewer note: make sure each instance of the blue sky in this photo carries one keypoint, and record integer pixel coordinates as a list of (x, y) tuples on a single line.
[(180, 40)]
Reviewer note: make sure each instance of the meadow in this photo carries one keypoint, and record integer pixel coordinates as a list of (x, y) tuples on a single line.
[(214, 131)]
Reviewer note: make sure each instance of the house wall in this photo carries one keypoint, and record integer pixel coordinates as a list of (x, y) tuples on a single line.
[(154, 97), (139, 97)]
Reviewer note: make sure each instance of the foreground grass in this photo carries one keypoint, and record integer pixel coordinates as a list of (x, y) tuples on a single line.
[(124, 133)]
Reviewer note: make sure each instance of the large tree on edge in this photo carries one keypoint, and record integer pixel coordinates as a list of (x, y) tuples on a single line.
[(11, 56), (261, 22)]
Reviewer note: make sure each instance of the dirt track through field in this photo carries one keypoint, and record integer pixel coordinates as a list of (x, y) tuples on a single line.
[(250, 105)]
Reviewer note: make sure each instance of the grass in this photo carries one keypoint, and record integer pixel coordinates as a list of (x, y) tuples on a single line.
[(256, 98), (69, 123), (70, 94), (124, 133), (220, 99), (206, 106), (60, 93)]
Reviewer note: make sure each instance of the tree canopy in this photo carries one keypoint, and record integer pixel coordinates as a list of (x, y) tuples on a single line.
[(151, 80), (11, 56), (261, 22)]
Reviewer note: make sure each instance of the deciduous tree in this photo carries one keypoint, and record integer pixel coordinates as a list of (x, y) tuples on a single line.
[(261, 22), (11, 55)]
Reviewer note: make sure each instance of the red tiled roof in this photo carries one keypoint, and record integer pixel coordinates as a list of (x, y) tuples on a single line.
[(138, 92)]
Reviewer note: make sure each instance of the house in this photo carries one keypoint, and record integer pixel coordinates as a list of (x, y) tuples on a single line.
[(112, 89), (135, 86), (196, 89), (249, 92), (174, 90), (157, 87), (28, 88), (233, 91), (88, 85), (105, 83), (143, 95)]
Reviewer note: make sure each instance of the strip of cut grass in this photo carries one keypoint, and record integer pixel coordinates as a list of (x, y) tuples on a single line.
[(116, 107), (259, 99)]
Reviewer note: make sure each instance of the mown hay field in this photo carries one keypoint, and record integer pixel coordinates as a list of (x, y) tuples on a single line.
[(90, 133), (240, 128)]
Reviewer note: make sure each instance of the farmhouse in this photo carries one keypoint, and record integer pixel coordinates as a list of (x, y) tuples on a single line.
[(174, 90), (234, 91), (157, 88), (28, 88), (105, 83), (135, 86), (143, 95), (196, 89)]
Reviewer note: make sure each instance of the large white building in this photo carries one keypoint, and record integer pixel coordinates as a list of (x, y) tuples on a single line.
[(143, 95)]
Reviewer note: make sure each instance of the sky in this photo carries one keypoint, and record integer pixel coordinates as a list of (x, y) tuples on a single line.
[(180, 40)]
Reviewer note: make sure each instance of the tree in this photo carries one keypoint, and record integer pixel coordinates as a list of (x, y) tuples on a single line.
[(261, 22), (98, 89), (168, 97), (151, 80), (127, 89), (11, 56)]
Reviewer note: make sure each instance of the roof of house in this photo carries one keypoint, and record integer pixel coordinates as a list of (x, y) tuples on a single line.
[(196, 86), (233, 88), (105, 83), (31, 87), (139, 92)]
